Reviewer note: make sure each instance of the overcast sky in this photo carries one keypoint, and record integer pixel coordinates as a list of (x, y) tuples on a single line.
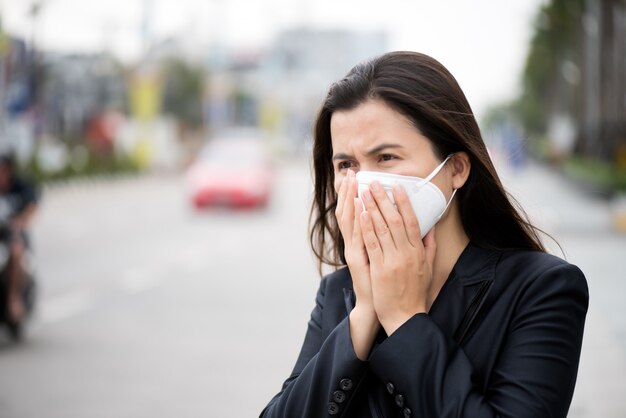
[(482, 42)]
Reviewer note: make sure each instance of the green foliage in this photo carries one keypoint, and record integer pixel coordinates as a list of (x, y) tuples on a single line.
[(93, 166), (599, 174), (184, 87), (557, 38), (495, 115)]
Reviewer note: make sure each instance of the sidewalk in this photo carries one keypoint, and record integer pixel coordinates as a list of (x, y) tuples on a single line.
[(583, 226)]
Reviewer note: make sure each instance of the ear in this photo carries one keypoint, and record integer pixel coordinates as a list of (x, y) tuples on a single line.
[(460, 166)]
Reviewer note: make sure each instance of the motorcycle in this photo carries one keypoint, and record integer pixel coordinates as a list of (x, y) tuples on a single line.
[(29, 284)]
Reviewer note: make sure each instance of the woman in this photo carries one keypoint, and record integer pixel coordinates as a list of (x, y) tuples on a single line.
[(475, 319)]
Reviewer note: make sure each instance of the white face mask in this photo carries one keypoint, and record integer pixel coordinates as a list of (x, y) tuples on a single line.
[(427, 200)]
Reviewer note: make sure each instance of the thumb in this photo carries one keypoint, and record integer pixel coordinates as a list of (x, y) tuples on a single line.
[(430, 246)]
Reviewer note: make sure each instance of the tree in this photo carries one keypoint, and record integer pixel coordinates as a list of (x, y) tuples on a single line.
[(184, 87)]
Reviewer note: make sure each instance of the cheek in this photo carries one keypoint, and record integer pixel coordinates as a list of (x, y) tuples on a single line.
[(338, 178), (444, 182)]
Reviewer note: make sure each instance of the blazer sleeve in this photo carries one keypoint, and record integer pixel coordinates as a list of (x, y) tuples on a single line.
[(535, 371), (327, 374)]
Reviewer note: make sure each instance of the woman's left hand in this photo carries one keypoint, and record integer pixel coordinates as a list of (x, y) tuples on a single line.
[(401, 265)]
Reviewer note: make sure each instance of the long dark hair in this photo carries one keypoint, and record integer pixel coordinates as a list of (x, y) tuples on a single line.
[(424, 91)]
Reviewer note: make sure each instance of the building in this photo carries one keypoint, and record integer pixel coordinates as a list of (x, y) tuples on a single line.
[(280, 89)]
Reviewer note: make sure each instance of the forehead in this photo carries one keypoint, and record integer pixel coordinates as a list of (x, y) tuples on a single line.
[(370, 123)]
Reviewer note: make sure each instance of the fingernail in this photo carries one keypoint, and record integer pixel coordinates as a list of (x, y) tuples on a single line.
[(375, 186), (350, 173), (367, 195), (397, 189)]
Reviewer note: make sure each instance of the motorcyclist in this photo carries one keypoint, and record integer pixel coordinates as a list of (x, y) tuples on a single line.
[(22, 198)]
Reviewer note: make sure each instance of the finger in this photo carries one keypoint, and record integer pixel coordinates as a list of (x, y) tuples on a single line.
[(340, 198), (355, 250), (370, 239), (430, 246), (379, 225), (356, 227), (341, 195), (390, 214), (351, 191), (348, 206), (357, 237), (411, 224)]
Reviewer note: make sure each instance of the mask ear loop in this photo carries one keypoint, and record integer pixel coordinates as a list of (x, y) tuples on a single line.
[(433, 173), (447, 204)]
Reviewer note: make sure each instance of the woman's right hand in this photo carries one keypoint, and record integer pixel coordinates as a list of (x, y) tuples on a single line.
[(364, 324)]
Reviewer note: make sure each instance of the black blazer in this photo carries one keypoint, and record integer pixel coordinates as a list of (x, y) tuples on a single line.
[(502, 339)]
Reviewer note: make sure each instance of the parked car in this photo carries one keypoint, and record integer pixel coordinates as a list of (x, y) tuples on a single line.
[(231, 171)]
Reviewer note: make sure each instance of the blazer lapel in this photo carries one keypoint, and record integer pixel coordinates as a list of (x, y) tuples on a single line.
[(465, 291)]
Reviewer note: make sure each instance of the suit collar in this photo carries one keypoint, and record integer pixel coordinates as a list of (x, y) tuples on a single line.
[(475, 264), (464, 293)]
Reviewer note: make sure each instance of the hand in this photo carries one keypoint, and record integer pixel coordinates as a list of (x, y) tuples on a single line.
[(364, 324), (401, 264), (348, 210)]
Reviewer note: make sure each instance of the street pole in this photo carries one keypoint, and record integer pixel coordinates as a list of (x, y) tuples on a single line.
[(35, 11), (591, 122), (3, 42)]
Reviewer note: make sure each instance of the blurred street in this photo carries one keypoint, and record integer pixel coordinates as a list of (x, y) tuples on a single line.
[(583, 226), (151, 309)]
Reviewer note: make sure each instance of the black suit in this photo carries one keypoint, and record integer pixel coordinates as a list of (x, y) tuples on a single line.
[(502, 339)]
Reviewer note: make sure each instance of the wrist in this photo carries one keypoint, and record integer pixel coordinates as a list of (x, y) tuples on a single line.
[(391, 325), (364, 326), (365, 313)]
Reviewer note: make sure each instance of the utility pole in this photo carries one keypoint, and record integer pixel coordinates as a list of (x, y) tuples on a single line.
[(591, 77), (604, 118), (4, 45), (618, 87), (36, 69), (146, 28)]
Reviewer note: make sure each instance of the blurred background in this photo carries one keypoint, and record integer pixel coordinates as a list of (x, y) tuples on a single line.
[(170, 142)]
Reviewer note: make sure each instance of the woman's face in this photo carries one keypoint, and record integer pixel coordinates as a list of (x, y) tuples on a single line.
[(374, 137)]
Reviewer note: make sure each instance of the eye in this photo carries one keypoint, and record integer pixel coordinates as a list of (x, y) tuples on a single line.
[(344, 165), (386, 157)]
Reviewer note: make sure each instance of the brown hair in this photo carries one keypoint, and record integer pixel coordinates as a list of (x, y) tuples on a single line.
[(424, 91)]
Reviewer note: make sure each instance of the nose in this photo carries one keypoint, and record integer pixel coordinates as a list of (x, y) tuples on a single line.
[(365, 166)]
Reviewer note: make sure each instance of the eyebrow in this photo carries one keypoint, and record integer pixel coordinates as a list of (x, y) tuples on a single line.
[(382, 147), (375, 150), (341, 157)]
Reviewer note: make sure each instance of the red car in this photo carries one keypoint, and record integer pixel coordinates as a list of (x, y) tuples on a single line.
[(233, 172)]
